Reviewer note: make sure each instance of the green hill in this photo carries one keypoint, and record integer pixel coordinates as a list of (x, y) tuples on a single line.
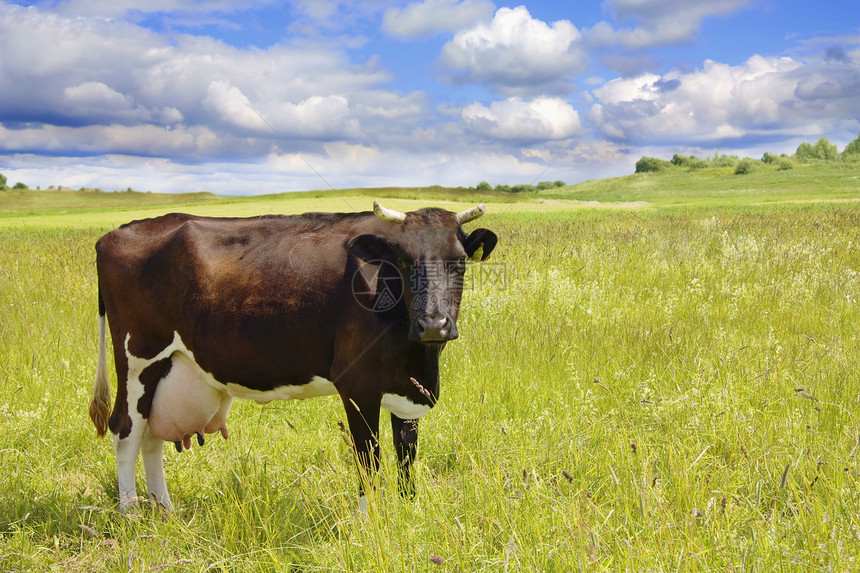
[(713, 186), (717, 186)]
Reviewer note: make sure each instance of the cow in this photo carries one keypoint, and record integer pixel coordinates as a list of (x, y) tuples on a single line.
[(204, 310)]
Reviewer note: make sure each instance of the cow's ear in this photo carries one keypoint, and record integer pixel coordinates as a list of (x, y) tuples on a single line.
[(479, 244), (371, 248)]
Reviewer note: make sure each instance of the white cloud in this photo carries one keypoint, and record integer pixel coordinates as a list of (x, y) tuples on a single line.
[(112, 104), (661, 22), (764, 96), (421, 19), (92, 71), (516, 54), (99, 103), (318, 117), (232, 106), (178, 141), (513, 119), (117, 8)]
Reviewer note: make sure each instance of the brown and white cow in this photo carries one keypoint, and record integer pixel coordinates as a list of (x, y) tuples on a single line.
[(205, 310)]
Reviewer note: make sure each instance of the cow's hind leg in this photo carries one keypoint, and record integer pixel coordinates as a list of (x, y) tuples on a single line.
[(152, 448), (126, 449)]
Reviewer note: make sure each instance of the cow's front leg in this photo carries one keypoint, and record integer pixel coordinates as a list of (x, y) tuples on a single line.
[(363, 419), (405, 434)]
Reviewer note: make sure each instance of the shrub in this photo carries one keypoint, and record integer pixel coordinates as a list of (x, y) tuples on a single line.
[(522, 188), (691, 161), (725, 160), (769, 158), (785, 164), (744, 166), (680, 160), (544, 185), (20, 185), (484, 186), (650, 164), (696, 163), (503, 188)]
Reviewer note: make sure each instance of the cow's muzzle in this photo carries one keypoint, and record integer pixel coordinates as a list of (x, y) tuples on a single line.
[(433, 328)]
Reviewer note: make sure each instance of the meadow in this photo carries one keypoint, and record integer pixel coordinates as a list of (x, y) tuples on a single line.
[(636, 387)]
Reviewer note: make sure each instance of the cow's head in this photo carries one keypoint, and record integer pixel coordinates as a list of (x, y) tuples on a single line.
[(425, 254)]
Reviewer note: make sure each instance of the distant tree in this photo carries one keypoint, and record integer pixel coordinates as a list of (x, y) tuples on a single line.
[(805, 152), (503, 188), (2, 182), (560, 183), (650, 164), (544, 185), (20, 185), (769, 158), (853, 148), (484, 186), (523, 188), (825, 150)]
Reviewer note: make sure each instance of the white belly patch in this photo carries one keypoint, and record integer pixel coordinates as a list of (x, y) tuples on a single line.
[(318, 386), (403, 407)]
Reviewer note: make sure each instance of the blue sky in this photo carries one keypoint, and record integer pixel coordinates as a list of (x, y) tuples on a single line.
[(266, 96)]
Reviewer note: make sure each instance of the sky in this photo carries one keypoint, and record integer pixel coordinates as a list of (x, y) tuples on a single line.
[(265, 96)]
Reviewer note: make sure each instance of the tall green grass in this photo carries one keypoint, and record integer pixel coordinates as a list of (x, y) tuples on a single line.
[(646, 390)]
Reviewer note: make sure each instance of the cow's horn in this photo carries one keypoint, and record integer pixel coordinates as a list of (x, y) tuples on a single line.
[(388, 214), (471, 214)]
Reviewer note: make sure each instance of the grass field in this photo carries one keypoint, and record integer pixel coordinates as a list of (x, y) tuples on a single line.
[(653, 387)]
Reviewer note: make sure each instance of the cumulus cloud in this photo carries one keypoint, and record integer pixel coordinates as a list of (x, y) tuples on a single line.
[(115, 139), (96, 102), (93, 71), (116, 104), (421, 19), (719, 102), (517, 120), (317, 117), (516, 54), (660, 22), (232, 106), (116, 8)]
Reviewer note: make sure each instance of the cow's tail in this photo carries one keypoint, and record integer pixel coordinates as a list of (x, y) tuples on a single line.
[(100, 404)]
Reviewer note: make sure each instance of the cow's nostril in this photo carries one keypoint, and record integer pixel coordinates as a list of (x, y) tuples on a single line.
[(434, 328), (433, 322)]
